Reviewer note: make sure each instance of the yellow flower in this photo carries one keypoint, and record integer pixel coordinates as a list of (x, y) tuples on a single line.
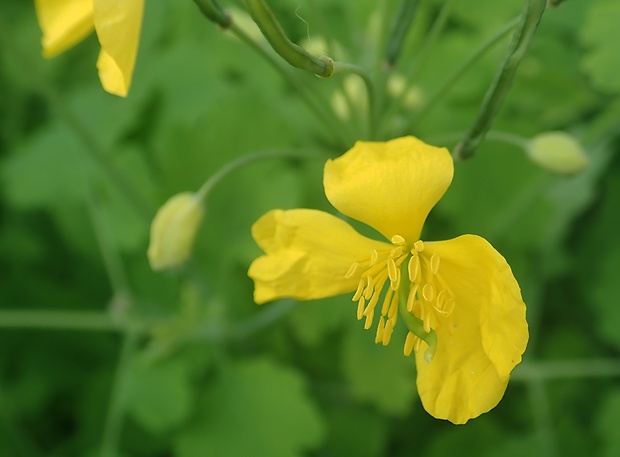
[(117, 23), (458, 298), (173, 231)]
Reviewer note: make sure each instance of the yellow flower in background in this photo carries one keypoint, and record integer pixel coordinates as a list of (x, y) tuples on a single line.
[(458, 298), (173, 231), (117, 23)]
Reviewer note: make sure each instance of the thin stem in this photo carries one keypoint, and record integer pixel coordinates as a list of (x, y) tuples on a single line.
[(314, 101), (431, 37), (118, 397), (57, 101), (344, 67), (567, 369), (502, 82), (60, 320), (460, 71), (493, 135), (399, 31), (241, 162)]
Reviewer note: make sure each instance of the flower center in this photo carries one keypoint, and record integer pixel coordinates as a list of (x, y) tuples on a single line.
[(415, 286)]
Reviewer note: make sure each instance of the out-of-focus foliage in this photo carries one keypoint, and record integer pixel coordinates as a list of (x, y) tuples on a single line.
[(184, 363)]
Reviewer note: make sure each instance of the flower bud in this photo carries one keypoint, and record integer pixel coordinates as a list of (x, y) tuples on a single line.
[(173, 231), (558, 152)]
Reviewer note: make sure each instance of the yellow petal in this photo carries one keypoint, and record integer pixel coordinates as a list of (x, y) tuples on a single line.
[(118, 24), (173, 231), (308, 254), (391, 186), (64, 23), (488, 335)]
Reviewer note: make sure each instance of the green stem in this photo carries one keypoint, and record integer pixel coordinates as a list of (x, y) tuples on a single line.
[(431, 37), (212, 11), (241, 162), (57, 101), (289, 51), (61, 320), (118, 397), (567, 369), (402, 24), (465, 66), (502, 83), (314, 101), (344, 67), (494, 135)]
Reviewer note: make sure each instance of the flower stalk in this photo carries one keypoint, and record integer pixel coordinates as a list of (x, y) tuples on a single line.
[(399, 30), (212, 11), (502, 83), (294, 54)]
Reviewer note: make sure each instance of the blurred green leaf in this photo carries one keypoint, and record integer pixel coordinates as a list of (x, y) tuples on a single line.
[(378, 375), (254, 407), (607, 424)]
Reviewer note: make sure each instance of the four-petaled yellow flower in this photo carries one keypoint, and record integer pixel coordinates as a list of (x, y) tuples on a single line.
[(458, 298), (117, 23)]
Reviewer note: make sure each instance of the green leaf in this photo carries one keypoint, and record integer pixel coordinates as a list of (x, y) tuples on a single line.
[(601, 35), (254, 407), (160, 395), (380, 376), (608, 424)]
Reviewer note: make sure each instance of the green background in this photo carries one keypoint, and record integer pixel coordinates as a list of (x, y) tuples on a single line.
[(100, 356)]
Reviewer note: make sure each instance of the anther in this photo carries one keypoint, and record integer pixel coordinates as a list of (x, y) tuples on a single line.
[(352, 270), (435, 263), (413, 291), (387, 332), (360, 310), (380, 330), (418, 246), (413, 267), (428, 292), (369, 288), (393, 273), (393, 308), (368, 322), (409, 343), (359, 291), (374, 255), (398, 240)]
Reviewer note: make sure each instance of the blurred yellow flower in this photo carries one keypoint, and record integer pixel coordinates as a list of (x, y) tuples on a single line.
[(458, 298), (117, 23), (173, 231)]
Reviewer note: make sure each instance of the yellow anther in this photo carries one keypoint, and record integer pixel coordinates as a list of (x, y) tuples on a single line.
[(368, 322), (412, 297), (428, 292), (418, 343), (435, 263), (386, 302), (413, 268), (409, 343), (387, 332), (393, 307), (360, 290), (368, 291), (352, 270), (393, 273), (418, 246), (380, 329), (398, 240), (360, 310), (374, 255)]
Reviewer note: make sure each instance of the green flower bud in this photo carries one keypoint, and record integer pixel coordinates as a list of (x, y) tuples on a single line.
[(558, 152), (173, 231)]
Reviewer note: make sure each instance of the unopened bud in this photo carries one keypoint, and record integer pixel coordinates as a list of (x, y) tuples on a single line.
[(558, 152), (173, 231)]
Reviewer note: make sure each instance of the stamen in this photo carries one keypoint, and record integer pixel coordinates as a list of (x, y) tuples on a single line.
[(359, 291), (352, 270), (360, 310), (428, 292), (418, 246), (374, 255), (369, 288), (386, 302), (394, 273), (368, 322), (413, 268), (398, 240), (393, 307), (389, 329), (413, 290), (409, 343), (380, 330), (435, 263)]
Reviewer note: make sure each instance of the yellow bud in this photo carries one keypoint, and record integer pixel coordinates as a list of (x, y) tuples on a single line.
[(558, 152), (173, 231)]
